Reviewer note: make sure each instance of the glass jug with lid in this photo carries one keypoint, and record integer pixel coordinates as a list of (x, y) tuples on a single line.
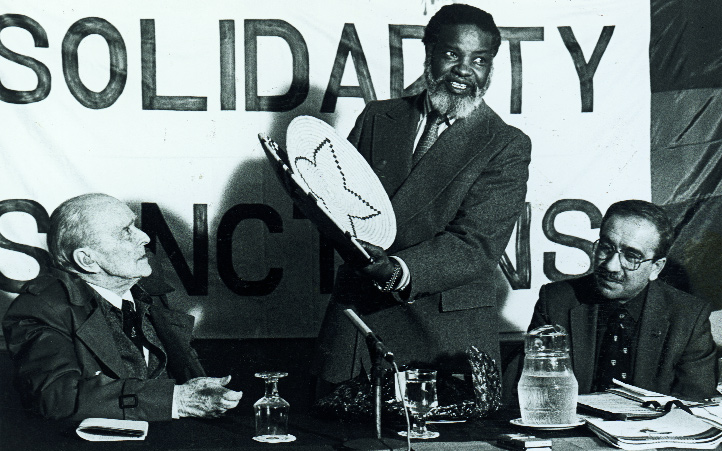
[(547, 388)]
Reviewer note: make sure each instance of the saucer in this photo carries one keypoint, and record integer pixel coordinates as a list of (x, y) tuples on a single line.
[(275, 438), (548, 427)]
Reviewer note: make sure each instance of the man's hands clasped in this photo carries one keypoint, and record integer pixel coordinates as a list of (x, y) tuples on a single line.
[(205, 397)]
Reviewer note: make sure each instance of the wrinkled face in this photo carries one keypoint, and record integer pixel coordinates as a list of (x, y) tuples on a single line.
[(636, 237), (458, 68), (117, 246)]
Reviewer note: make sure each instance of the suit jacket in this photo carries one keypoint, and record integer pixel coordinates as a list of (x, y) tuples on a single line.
[(675, 350), (455, 211), (66, 361)]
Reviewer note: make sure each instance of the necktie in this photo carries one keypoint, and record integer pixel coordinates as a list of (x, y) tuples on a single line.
[(131, 324), (428, 137), (615, 355)]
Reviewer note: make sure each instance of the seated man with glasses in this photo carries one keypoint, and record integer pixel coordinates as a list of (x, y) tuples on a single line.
[(626, 324)]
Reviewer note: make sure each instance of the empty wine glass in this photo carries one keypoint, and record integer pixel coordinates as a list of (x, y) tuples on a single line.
[(420, 396), (272, 412)]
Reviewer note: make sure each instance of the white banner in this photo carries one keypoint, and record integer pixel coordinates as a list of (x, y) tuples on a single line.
[(160, 103)]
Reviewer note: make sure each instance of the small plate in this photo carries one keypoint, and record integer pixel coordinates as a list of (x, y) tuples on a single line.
[(548, 427)]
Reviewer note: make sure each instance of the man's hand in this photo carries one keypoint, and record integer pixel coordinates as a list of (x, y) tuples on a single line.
[(205, 397), (382, 268)]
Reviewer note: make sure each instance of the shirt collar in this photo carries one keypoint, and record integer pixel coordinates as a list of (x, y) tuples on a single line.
[(113, 298), (634, 305)]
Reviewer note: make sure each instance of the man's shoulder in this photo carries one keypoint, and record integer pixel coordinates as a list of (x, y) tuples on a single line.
[(577, 290), (48, 295), (51, 283), (381, 106), (496, 123), (676, 298)]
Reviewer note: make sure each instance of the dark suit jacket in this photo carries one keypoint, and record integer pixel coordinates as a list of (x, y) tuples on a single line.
[(675, 351), (66, 362), (455, 211)]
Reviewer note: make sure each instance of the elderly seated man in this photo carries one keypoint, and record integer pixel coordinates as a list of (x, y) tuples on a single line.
[(624, 322), (95, 336)]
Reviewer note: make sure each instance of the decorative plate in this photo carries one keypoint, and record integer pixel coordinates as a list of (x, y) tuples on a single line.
[(345, 186)]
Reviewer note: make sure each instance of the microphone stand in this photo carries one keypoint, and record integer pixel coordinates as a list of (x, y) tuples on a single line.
[(378, 353), (376, 377)]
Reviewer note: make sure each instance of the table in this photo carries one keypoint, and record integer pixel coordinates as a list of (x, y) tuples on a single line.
[(235, 431)]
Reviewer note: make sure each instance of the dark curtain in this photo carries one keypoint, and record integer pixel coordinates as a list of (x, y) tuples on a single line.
[(686, 138)]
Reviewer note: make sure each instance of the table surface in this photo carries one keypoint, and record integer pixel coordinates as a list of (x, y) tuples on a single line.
[(235, 432)]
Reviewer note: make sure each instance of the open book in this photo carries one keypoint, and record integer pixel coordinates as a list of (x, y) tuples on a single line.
[(625, 402)]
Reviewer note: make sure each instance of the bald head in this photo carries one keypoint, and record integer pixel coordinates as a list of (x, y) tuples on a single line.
[(95, 236), (72, 226)]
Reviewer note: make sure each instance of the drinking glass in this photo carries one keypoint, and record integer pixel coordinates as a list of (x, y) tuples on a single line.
[(272, 412), (420, 396)]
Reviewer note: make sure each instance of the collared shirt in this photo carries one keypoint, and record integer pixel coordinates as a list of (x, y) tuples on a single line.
[(606, 308), (425, 108), (117, 302)]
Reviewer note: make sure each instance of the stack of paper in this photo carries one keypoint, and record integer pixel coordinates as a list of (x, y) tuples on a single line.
[(677, 429)]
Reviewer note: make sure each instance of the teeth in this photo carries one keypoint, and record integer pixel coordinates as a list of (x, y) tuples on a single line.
[(458, 85)]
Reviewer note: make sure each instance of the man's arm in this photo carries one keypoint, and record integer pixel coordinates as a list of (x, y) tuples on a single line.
[(470, 245), (696, 372), (60, 378)]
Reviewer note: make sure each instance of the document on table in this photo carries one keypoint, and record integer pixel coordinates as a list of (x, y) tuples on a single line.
[(109, 430)]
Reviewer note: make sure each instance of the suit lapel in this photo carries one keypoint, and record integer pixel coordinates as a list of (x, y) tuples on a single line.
[(391, 159), (583, 321), (455, 148), (96, 335), (652, 333)]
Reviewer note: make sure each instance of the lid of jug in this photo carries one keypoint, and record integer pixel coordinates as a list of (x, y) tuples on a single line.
[(547, 339)]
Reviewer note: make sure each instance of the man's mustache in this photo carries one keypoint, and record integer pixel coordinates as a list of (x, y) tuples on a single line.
[(610, 276)]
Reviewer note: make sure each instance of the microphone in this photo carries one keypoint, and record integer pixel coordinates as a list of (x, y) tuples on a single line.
[(371, 337)]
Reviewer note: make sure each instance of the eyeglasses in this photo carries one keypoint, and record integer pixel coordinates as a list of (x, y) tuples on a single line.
[(629, 260)]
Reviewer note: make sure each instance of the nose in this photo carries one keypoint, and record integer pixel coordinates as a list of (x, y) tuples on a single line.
[(612, 263), (462, 68), (143, 238)]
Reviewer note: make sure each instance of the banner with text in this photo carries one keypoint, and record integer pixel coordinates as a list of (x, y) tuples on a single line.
[(159, 104)]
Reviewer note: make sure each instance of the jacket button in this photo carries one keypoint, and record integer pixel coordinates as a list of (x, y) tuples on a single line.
[(380, 165)]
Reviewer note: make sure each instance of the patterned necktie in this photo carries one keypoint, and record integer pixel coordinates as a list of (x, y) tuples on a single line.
[(428, 137), (615, 354), (131, 324)]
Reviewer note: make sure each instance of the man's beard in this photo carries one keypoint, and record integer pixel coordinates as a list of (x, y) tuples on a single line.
[(457, 106)]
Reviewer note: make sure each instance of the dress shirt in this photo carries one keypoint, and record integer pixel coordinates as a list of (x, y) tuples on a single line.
[(117, 302), (606, 308), (425, 108)]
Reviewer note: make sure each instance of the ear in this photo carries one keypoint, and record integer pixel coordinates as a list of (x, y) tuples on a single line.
[(83, 257), (657, 267)]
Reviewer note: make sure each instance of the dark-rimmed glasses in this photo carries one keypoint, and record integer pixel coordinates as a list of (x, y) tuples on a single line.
[(628, 259)]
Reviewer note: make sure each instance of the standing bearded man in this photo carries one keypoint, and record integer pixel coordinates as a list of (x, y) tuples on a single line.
[(456, 175)]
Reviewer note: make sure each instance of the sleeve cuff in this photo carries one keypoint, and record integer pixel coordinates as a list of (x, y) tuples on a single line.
[(405, 275), (174, 404)]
